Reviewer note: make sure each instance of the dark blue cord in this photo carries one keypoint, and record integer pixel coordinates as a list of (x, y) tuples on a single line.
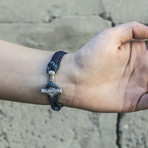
[(54, 65)]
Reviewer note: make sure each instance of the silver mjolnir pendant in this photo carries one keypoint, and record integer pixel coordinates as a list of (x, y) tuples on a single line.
[(51, 91)]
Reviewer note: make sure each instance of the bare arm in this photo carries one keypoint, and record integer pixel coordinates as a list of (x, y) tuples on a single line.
[(23, 74), (108, 74)]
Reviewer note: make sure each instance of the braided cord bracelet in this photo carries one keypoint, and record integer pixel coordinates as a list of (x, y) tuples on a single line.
[(52, 90)]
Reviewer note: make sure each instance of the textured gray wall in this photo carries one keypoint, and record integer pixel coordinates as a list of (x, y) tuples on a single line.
[(63, 24)]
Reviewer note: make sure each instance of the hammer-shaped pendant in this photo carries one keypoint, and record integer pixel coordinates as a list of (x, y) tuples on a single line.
[(51, 91)]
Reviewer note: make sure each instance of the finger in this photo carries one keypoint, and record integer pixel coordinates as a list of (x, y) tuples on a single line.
[(129, 31), (143, 103)]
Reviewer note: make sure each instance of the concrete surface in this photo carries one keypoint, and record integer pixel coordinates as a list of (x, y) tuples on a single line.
[(133, 130), (68, 25)]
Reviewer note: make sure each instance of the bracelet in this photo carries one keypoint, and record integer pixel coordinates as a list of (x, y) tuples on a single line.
[(52, 90)]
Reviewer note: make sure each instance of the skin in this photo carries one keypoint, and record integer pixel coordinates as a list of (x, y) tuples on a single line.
[(108, 74), (111, 70)]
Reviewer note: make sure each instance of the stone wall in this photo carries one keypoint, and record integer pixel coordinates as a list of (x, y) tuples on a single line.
[(63, 24)]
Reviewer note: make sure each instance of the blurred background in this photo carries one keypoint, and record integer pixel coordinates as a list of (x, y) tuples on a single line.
[(68, 25)]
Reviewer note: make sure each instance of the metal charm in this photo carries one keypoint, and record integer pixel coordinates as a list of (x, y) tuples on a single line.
[(51, 74), (51, 91)]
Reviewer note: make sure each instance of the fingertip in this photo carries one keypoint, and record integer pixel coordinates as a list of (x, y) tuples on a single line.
[(143, 103)]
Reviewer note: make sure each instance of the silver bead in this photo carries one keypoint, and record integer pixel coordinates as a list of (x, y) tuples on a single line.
[(51, 74)]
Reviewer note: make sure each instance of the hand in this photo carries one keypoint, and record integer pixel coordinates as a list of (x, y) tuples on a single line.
[(111, 71)]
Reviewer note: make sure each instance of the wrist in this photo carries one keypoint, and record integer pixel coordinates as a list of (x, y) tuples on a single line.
[(65, 80)]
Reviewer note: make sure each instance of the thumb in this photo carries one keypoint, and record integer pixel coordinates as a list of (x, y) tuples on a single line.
[(129, 31), (143, 103)]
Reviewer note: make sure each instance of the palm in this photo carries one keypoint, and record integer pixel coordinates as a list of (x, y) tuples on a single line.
[(111, 78), (133, 82)]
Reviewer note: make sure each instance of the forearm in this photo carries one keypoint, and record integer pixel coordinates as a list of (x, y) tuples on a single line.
[(23, 74)]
